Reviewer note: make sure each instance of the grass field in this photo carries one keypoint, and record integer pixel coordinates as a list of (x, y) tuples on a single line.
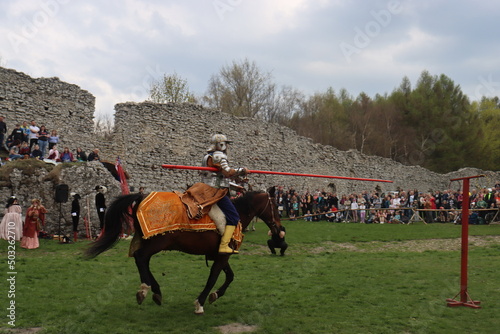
[(335, 278)]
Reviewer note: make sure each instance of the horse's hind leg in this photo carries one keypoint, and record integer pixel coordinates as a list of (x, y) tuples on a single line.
[(222, 290), (147, 279)]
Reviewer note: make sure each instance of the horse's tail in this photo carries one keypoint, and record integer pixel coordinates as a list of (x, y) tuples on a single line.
[(117, 215)]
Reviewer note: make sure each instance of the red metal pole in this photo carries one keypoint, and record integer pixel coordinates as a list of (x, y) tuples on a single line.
[(465, 299), (465, 242), (277, 173)]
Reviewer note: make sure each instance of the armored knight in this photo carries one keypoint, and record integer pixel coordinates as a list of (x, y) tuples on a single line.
[(217, 157)]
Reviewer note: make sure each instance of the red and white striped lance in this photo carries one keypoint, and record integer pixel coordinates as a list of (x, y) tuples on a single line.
[(213, 169)]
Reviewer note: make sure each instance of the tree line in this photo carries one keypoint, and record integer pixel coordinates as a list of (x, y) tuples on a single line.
[(432, 124)]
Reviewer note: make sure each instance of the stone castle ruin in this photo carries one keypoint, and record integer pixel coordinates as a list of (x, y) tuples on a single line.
[(147, 135)]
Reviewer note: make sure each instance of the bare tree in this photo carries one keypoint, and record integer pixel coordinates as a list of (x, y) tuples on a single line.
[(170, 88), (104, 126), (242, 89)]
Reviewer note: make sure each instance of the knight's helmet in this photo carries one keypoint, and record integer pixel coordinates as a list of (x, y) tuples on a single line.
[(218, 143)]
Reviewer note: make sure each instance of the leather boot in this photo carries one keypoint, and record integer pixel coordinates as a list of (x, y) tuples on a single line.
[(224, 242), (75, 236)]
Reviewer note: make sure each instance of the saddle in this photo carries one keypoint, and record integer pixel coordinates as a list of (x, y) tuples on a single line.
[(199, 198)]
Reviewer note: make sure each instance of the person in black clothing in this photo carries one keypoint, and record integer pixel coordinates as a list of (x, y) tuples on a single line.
[(75, 215), (17, 134), (277, 241), (100, 204), (3, 132), (94, 155)]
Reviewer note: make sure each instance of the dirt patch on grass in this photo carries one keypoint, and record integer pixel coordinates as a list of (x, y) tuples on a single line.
[(31, 330), (423, 245), (454, 244), (236, 328)]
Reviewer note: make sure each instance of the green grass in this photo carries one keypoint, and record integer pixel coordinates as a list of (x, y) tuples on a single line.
[(304, 292)]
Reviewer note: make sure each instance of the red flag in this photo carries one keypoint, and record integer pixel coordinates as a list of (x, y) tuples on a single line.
[(121, 175)]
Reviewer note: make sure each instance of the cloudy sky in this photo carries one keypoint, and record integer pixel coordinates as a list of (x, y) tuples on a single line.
[(115, 48)]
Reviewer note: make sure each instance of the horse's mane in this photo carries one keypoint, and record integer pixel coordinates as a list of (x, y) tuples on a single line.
[(244, 203)]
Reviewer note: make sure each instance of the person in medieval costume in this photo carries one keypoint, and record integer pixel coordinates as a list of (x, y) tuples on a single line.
[(75, 214), (100, 204), (217, 157)]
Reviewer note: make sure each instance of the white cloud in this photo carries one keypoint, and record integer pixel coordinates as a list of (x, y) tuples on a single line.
[(115, 48)]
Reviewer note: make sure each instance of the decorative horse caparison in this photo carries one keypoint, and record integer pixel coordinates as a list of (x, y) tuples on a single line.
[(252, 204)]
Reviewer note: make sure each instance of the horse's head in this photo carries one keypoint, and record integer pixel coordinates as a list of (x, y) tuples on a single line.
[(269, 213)]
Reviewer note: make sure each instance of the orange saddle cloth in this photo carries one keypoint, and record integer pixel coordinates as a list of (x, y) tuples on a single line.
[(162, 212)]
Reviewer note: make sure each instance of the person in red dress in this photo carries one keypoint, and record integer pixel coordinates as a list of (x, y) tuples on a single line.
[(35, 219)]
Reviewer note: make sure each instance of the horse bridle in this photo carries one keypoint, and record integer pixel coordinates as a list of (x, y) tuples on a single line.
[(268, 203)]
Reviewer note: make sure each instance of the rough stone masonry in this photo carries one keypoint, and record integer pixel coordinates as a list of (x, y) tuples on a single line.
[(147, 135)]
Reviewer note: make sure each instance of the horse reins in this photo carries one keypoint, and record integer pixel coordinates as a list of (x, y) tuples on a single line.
[(272, 211)]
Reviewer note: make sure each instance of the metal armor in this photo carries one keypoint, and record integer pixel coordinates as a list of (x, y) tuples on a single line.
[(222, 178)]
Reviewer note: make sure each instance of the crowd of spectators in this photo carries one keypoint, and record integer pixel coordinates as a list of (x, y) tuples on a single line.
[(390, 207), (33, 142)]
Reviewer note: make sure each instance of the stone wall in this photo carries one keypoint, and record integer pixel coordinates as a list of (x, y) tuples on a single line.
[(148, 135), (50, 102)]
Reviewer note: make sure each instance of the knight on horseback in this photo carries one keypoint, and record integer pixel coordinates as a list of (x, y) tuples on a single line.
[(217, 157)]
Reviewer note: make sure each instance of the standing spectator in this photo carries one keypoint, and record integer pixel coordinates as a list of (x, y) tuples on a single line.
[(3, 132), (53, 138), (35, 220), (33, 134), (94, 155), (11, 221), (75, 215), (43, 138), (80, 155), (17, 134), (100, 204), (26, 131), (277, 241)]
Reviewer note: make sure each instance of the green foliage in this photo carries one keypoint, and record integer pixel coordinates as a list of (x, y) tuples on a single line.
[(432, 124), (171, 88), (362, 286)]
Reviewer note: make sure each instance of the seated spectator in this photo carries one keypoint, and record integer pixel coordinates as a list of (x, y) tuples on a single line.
[(24, 149), (54, 154), (94, 155), (80, 155), (331, 215), (307, 216), (14, 153), (53, 139), (67, 156), (36, 152)]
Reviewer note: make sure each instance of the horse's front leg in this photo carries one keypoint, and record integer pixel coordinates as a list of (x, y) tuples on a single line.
[(219, 263), (222, 290)]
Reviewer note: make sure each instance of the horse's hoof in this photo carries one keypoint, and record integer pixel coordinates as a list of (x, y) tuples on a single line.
[(157, 298), (198, 308), (140, 297), (213, 297)]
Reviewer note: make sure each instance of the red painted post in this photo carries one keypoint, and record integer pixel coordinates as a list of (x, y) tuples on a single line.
[(276, 173), (465, 299)]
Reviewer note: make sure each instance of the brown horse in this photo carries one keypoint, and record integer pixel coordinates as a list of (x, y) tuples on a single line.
[(250, 205)]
